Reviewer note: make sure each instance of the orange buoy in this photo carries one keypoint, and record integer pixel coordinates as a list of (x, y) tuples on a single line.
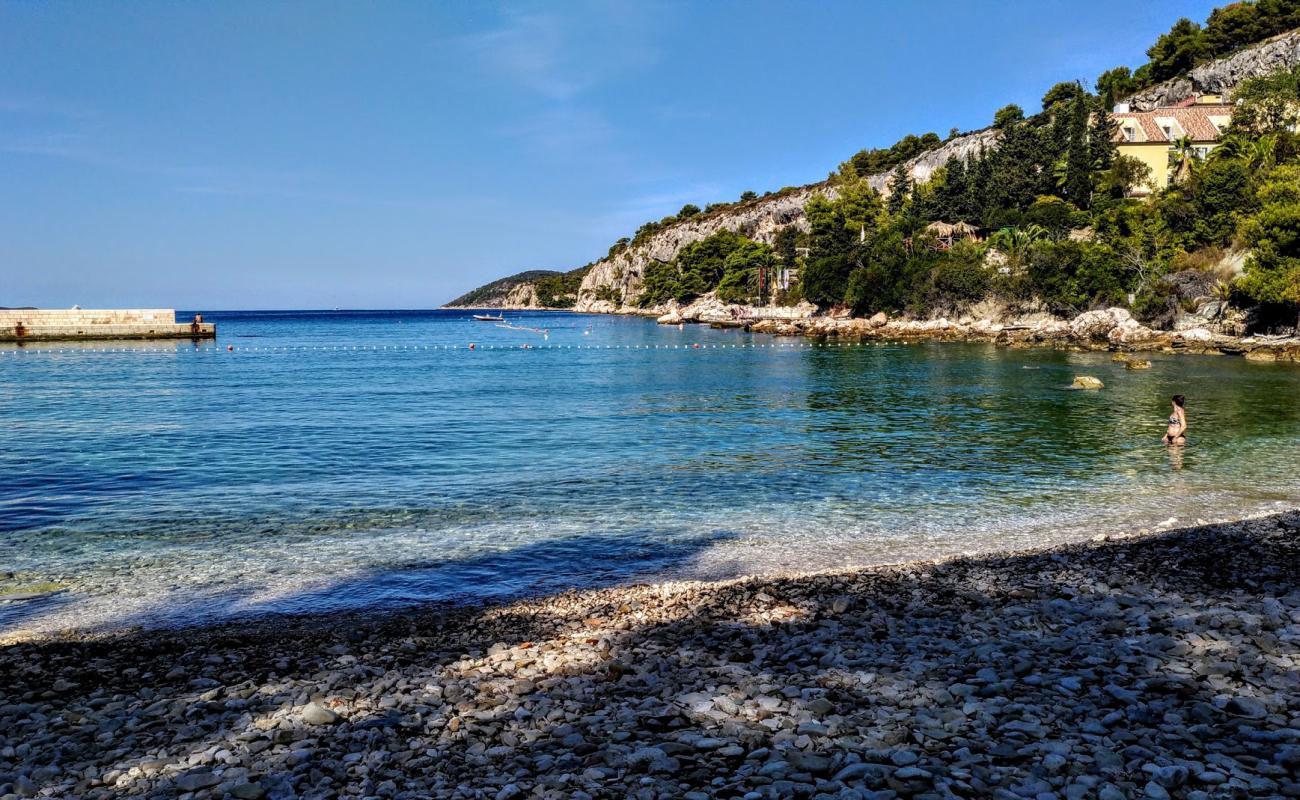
[(696, 345)]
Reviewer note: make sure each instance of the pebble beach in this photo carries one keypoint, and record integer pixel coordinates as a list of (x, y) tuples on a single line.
[(1157, 665)]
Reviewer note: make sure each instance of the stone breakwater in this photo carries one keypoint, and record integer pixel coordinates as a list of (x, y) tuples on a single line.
[(1159, 665), (48, 324)]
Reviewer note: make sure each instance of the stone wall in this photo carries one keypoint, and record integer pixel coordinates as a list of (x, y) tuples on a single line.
[(32, 317), (51, 324)]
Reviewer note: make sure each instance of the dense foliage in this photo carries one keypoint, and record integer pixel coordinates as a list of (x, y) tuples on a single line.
[(726, 262), (560, 290)]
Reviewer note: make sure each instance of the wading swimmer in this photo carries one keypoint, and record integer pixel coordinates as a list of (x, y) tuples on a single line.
[(1175, 433)]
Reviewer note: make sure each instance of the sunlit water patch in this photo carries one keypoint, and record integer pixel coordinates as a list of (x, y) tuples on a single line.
[(174, 484)]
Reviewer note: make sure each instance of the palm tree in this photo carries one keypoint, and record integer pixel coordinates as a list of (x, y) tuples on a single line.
[(1015, 242), (1258, 154), (1182, 158)]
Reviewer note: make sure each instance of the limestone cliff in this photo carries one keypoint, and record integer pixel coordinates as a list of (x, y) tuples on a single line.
[(621, 275), (1225, 74)]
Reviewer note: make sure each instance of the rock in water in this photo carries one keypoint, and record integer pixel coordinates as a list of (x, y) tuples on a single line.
[(317, 714), (1138, 363), (1087, 382)]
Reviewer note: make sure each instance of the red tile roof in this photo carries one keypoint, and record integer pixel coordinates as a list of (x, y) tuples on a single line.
[(1194, 120)]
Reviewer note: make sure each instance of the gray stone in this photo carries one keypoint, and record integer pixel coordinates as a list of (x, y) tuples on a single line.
[(317, 714), (196, 780)]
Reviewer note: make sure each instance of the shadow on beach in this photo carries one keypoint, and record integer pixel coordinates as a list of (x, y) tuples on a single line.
[(1161, 665)]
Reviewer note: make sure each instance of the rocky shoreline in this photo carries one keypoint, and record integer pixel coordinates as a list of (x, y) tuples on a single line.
[(1158, 665), (1112, 329)]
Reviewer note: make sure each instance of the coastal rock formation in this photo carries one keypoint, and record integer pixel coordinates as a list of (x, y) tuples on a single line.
[(523, 295), (1098, 325), (622, 275), (1108, 329), (708, 309), (1158, 665), (1225, 74)]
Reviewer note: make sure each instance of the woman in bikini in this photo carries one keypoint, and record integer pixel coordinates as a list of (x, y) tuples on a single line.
[(1175, 433)]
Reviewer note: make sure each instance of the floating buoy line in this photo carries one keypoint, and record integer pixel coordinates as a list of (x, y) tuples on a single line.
[(468, 347)]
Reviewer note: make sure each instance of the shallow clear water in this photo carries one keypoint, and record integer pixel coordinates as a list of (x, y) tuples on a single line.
[(165, 483)]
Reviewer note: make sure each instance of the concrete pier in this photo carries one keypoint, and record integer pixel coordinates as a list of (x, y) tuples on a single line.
[(53, 325)]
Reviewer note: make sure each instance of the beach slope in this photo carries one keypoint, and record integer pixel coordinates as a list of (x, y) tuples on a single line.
[(1163, 665)]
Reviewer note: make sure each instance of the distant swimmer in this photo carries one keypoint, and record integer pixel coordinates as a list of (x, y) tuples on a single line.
[(1177, 430)]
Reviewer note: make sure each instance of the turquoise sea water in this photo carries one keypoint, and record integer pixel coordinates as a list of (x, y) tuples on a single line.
[(352, 459)]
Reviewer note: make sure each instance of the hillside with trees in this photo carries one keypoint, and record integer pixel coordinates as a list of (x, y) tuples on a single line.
[(1050, 196), (538, 288)]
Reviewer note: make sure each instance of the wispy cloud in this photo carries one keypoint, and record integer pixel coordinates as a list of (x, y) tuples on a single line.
[(560, 57), (50, 130), (530, 49), (561, 60)]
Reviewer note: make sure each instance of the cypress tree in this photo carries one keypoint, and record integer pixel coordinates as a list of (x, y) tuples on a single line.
[(977, 183), (1101, 141), (1078, 165)]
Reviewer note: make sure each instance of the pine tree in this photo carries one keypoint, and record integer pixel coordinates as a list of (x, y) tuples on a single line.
[(1016, 169), (950, 196), (900, 184)]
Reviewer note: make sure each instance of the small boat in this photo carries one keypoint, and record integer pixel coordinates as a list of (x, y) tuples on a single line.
[(489, 318)]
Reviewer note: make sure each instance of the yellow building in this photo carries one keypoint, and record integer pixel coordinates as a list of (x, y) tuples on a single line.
[(1148, 136)]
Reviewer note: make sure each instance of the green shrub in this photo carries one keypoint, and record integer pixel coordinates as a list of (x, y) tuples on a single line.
[(825, 281)]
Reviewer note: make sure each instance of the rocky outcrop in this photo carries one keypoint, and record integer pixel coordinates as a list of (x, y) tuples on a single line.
[(1225, 74), (712, 311), (623, 274), (922, 167), (522, 296)]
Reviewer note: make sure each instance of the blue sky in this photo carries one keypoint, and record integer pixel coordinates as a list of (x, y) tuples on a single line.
[(394, 154)]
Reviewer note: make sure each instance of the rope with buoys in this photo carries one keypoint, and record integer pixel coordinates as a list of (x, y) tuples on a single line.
[(28, 351)]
